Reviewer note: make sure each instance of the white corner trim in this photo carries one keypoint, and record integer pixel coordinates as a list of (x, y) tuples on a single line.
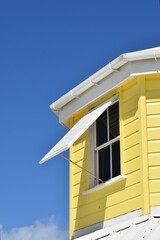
[(105, 184)]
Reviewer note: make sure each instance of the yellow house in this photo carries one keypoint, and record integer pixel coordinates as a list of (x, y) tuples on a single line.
[(114, 142)]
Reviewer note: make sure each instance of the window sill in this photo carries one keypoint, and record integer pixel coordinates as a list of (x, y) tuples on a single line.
[(108, 183)]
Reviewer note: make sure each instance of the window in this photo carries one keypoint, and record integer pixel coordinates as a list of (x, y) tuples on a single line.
[(104, 149), (107, 144), (77, 130)]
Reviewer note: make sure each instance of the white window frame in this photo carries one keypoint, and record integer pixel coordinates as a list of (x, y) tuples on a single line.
[(93, 150)]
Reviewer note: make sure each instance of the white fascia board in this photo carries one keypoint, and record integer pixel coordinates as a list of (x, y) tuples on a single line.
[(61, 105), (108, 84), (145, 67), (87, 84), (153, 53), (93, 93)]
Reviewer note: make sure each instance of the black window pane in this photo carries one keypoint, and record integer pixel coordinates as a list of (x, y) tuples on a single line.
[(114, 121), (116, 159), (104, 164), (101, 129)]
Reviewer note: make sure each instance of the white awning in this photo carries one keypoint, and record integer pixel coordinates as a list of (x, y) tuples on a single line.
[(79, 128)]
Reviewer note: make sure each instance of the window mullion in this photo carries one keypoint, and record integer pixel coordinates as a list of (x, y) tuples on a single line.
[(111, 160), (107, 143), (108, 124), (96, 160), (97, 166), (110, 145)]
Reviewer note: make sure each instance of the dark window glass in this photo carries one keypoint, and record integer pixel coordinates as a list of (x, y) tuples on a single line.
[(107, 128), (104, 164), (101, 129), (114, 121), (115, 159)]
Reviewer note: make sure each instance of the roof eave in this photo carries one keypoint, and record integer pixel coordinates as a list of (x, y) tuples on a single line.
[(105, 71), (88, 83)]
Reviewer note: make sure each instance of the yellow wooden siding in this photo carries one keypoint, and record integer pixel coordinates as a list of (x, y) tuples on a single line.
[(154, 173), (133, 179), (154, 186), (78, 177), (153, 121), (131, 153), (154, 159), (131, 127), (114, 201), (139, 101), (113, 211), (155, 199), (153, 133), (108, 201), (132, 166), (153, 146)]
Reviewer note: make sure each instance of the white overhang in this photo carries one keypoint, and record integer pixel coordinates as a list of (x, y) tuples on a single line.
[(77, 130), (105, 80)]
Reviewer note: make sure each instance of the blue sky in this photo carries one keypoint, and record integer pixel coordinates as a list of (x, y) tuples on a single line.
[(47, 48)]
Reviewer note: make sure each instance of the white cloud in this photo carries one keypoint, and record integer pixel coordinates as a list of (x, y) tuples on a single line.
[(40, 230)]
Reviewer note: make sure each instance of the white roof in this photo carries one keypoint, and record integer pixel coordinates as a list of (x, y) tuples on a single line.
[(108, 78), (144, 227), (82, 125)]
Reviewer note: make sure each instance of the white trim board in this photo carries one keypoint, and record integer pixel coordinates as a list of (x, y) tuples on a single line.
[(107, 84), (114, 66), (106, 184)]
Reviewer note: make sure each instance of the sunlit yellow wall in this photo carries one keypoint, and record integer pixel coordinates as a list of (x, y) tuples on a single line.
[(153, 132), (136, 100)]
